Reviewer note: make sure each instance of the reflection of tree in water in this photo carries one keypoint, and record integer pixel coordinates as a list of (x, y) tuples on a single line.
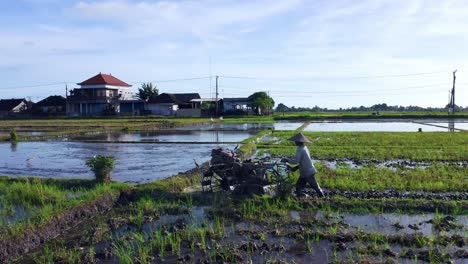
[(14, 146), (451, 126)]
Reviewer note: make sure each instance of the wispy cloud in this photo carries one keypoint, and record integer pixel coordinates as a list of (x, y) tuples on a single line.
[(296, 40), (50, 28), (200, 19)]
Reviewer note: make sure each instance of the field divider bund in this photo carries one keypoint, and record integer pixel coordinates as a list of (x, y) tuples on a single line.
[(427, 124)]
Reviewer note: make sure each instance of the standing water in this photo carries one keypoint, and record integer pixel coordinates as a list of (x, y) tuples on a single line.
[(136, 163)]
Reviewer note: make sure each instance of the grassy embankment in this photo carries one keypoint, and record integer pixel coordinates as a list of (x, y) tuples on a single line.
[(27, 203)]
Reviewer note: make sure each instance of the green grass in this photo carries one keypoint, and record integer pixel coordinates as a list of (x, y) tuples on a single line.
[(43, 199), (430, 146), (437, 177)]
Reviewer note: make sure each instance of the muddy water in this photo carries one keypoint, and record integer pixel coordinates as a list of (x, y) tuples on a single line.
[(372, 127), (136, 163), (247, 126), (168, 136), (385, 223), (14, 214)]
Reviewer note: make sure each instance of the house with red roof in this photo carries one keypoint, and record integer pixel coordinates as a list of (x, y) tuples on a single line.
[(101, 94)]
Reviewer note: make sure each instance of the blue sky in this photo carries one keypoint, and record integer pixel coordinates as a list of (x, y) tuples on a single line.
[(304, 53)]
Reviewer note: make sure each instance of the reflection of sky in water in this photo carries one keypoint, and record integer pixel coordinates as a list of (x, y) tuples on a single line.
[(135, 162), (227, 126), (371, 126), (168, 136), (248, 126), (384, 222), (288, 125), (34, 133)]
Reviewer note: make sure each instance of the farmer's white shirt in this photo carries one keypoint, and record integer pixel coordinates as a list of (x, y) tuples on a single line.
[(306, 167)]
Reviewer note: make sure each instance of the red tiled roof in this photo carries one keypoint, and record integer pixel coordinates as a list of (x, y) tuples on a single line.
[(104, 79)]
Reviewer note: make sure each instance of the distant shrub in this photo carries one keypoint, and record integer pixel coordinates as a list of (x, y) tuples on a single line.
[(14, 136), (102, 167)]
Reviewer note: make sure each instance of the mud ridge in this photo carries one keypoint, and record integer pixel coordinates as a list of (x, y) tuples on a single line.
[(30, 239)]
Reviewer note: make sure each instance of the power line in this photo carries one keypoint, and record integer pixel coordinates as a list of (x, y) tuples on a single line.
[(174, 80), (344, 91), (32, 86), (300, 95), (341, 95), (334, 78)]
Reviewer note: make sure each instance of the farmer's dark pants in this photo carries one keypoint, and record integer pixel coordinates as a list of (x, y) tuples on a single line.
[(302, 182)]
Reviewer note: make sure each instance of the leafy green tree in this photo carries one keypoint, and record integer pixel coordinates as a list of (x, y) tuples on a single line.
[(262, 102), (147, 91), (282, 108)]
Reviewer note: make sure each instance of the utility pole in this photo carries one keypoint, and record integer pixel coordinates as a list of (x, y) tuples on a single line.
[(66, 99), (452, 98), (216, 100)]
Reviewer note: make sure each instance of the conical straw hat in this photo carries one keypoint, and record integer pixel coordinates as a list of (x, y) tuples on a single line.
[(299, 137)]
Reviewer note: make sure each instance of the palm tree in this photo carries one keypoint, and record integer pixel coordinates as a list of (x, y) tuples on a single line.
[(147, 91)]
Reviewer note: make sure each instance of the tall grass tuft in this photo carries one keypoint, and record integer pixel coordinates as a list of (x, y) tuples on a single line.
[(102, 167), (14, 137)]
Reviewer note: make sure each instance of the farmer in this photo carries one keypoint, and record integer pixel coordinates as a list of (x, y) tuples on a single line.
[(306, 167)]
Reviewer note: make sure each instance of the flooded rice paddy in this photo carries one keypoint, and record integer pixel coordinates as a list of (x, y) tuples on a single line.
[(136, 163), (186, 233), (165, 152), (213, 136)]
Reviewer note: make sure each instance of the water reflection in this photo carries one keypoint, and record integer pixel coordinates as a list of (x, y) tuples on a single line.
[(135, 162), (13, 146), (451, 126), (216, 136)]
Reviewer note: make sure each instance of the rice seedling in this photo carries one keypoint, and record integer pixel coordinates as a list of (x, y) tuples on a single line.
[(47, 256), (124, 251)]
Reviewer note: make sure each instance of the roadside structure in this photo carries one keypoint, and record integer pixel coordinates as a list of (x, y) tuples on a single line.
[(52, 105), (13, 106), (173, 104), (133, 107), (237, 104), (101, 94), (206, 106)]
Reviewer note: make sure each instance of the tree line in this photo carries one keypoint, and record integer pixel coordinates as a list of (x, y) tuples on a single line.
[(374, 108)]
